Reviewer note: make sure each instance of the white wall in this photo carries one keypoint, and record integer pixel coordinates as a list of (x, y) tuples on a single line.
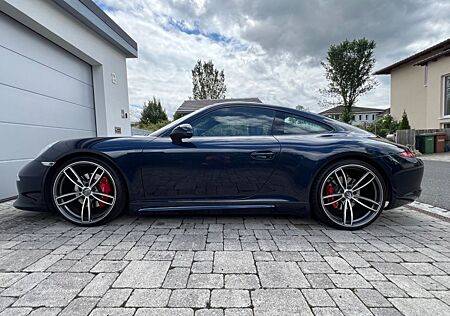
[(52, 22)]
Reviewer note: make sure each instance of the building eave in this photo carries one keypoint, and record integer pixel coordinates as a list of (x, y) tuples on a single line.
[(88, 13)]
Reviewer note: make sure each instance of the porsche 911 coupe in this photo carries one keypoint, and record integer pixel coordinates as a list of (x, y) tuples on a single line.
[(228, 156)]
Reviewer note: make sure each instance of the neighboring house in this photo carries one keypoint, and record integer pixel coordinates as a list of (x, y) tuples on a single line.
[(360, 115), (189, 106), (420, 84), (63, 75)]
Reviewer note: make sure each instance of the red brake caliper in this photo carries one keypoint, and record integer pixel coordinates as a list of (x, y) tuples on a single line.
[(105, 187), (330, 190)]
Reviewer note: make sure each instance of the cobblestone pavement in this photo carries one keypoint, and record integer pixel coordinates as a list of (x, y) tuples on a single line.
[(230, 266)]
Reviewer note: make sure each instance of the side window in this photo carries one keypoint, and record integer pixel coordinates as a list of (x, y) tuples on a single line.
[(290, 124), (235, 121)]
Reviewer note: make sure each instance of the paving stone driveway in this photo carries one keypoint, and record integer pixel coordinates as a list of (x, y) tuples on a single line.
[(223, 266)]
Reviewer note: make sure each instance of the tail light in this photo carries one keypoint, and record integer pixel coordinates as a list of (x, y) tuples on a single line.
[(407, 154)]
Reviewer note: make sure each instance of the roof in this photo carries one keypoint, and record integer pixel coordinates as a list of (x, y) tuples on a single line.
[(189, 106), (440, 46), (88, 13), (355, 109)]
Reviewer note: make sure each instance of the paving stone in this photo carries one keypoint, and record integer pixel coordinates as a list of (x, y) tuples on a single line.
[(315, 267), (46, 311), (209, 312), (114, 312), (143, 274), (42, 264), (292, 243), (409, 286), (318, 297), (423, 268), (80, 307), (348, 303), (189, 298), (238, 312), (230, 298), (319, 281), (279, 302), (390, 268), (5, 302), (159, 255), (420, 306), (370, 274), (202, 267), (55, 291), (99, 284), (164, 312), (114, 298), (205, 281), (389, 289), (9, 278), (204, 256), (281, 275), (16, 311), (234, 262), (327, 311), (176, 278), (25, 284), (188, 242), (339, 265), (149, 298), (242, 281), (104, 266), (18, 260), (385, 311), (350, 281), (372, 298)]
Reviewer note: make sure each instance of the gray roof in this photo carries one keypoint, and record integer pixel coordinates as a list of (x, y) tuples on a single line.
[(355, 109), (189, 106), (88, 13), (438, 47)]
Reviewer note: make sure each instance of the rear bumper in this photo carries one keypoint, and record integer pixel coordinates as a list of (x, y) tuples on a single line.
[(30, 187), (406, 179)]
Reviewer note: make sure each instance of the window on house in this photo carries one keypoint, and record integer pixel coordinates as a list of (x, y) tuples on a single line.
[(367, 117), (425, 77), (373, 117), (360, 117), (447, 96)]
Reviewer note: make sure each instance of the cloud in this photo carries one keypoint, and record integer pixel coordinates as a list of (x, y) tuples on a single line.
[(268, 49)]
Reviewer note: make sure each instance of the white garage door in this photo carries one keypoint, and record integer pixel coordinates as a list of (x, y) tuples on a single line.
[(46, 95)]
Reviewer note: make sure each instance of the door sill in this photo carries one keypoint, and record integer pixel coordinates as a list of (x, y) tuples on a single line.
[(204, 207)]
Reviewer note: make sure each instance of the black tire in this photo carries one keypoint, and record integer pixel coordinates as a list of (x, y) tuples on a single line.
[(120, 192), (318, 210)]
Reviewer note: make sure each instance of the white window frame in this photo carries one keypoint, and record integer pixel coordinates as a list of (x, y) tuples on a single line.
[(444, 99)]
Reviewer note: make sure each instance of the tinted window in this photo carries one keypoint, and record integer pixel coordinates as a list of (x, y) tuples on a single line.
[(235, 121), (290, 124)]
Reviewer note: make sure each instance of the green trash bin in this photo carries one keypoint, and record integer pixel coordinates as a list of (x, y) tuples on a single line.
[(425, 143)]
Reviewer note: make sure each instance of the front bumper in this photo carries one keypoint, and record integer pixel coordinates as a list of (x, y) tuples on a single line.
[(30, 186)]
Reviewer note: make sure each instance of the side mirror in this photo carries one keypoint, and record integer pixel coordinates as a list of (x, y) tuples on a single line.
[(180, 132)]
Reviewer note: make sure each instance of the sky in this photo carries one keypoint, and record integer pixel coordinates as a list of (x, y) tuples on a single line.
[(271, 49)]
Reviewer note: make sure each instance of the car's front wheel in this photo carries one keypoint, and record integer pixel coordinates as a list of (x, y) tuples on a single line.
[(348, 194), (87, 191)]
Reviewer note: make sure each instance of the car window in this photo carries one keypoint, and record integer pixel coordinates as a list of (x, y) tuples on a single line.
[(291, 124), (235, 121)]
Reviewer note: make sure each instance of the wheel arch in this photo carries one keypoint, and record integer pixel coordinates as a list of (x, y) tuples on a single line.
[(355, 156), (82, 154)]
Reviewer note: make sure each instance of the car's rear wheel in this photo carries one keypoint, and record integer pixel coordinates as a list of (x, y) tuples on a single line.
[(349, 194), (87, 192)]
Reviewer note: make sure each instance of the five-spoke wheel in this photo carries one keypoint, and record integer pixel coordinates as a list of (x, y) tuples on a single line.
[(86, 191), (350, 195)]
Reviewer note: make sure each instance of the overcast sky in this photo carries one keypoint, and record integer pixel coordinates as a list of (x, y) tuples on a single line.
[(268, 49)]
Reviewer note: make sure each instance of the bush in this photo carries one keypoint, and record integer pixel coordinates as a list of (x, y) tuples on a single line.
[(152, 126), (404, 123)]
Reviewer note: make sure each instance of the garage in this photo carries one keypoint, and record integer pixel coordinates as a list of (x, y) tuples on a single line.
[(46, 95)]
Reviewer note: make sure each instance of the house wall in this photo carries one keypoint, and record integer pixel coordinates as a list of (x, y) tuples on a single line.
[(409, 93), (54, 23), (435, 94)]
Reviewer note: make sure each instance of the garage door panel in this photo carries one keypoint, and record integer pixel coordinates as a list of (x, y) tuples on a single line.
[(22, 107), (29, 75), (18, 38), (26, 141)]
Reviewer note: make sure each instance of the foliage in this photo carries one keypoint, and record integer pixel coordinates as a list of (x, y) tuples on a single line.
[(176, 116), (303, 108), (348, 69), (208, 82), (383, 126), (404, 123), (152, 126), (153, 113)]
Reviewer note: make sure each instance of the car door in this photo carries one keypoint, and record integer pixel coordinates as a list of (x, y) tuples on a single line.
[(231, 155)]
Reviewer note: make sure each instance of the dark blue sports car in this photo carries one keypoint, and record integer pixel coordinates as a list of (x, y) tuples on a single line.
[(226, 156)]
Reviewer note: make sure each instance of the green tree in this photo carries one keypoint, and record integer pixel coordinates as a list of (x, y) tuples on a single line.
[(302, 108), (383, 125), (153, 113), (404, 123), (208, 82), (348, 70), (176, 116)]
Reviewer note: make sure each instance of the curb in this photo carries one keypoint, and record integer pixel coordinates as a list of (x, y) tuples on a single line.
[(431, 210)]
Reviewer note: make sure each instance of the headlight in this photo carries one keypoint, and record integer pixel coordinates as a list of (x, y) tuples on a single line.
[(45, 148)]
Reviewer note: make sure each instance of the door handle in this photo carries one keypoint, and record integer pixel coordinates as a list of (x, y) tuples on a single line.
[(263, 155)]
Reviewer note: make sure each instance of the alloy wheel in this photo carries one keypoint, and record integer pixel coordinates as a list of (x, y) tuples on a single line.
[(352, 195), (84, 192)]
